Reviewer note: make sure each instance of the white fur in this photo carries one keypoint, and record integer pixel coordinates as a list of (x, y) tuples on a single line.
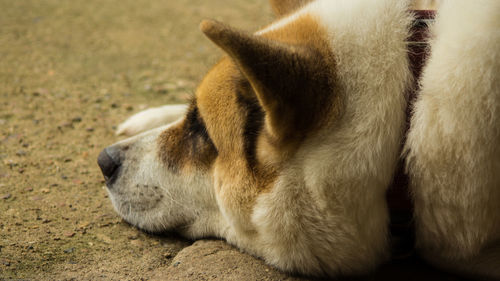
[(327, 212), (426, 4), (151, 118), (154, 198), (454, 142)]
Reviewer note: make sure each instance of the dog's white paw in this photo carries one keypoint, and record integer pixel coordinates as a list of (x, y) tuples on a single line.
[(151, 118)]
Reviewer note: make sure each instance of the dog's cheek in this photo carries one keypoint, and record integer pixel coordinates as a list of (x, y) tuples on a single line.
[(171, 148)]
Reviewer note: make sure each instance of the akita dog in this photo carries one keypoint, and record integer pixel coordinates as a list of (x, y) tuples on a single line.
[(293, 139)]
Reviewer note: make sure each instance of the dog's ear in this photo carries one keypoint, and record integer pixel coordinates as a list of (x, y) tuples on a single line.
[(290, 81), (283, 7)]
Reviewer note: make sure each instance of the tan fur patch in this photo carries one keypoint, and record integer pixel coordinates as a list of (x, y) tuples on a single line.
[(187, 146), (307, 106), (237, 183)]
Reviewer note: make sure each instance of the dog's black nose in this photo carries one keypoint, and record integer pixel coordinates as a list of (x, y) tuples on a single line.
[(109, 162)]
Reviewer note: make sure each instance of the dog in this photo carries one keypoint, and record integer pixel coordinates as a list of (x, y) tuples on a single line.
[(289, 147)]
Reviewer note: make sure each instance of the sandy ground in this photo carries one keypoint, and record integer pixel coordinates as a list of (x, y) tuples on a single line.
[(70, 71)]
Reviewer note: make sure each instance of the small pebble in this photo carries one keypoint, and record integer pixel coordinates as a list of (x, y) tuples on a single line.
[(69, 250), (11, 163), (21, 152), (137, 243), (90, 129), (69, 234), (6, 196), (84, 224), (77, 119), (177, 263), (26, 145), (28, 189), (66, 124)]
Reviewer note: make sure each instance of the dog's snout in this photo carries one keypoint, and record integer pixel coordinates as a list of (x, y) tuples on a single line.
[(109, 161)]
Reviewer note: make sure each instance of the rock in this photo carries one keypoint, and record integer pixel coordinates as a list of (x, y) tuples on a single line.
[(76, 119), (6, 196), (21, 152), (83, 224), (69, 233), (69, 250), (215, 259), (104, 238), (137, 243)]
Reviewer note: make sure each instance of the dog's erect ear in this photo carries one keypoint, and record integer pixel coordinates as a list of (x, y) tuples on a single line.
[(290, 81), (284, 7)]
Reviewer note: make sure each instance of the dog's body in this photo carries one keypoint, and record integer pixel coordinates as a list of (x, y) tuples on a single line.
[(292, 141)]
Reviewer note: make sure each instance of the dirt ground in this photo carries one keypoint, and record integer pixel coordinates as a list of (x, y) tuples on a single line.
[(70, 71)]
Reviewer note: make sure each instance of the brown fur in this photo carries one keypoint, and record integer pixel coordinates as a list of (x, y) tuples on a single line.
[(284, 7), (187, 144), (295, 101), (256, 115)]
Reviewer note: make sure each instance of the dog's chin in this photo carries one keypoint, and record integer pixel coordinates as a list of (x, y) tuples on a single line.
[(150, 220)]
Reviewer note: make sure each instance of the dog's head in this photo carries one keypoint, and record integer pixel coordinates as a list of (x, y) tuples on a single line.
[(250, 114)]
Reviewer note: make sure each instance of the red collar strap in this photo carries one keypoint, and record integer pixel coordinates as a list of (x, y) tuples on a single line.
[(398, 195)]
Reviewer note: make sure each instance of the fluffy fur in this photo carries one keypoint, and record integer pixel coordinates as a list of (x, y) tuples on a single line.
[(311, 198), (150, 119), (453, 145), (314, 209)]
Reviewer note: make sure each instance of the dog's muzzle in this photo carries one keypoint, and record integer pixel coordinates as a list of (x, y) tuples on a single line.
[(109, 161)]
